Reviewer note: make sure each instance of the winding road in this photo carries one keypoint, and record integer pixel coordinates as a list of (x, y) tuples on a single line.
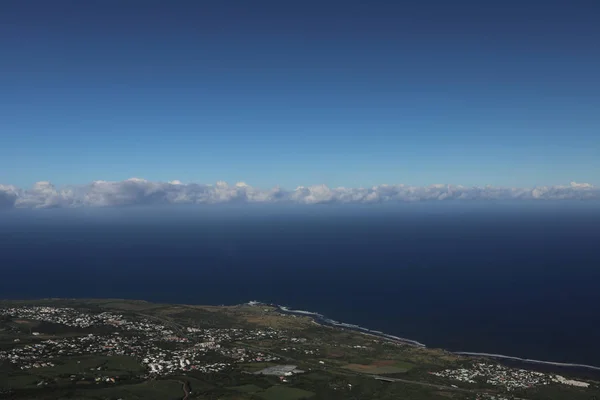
[(186, 391)]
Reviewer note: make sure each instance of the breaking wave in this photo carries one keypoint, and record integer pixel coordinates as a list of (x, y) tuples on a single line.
[(527, 360), (321, 319)]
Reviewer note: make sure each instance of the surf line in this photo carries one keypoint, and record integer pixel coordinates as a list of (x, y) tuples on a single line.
[(527, 360), (320, 318)]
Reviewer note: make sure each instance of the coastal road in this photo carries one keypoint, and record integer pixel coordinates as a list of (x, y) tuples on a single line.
[(179, 329), (443, 387), (433, 385)]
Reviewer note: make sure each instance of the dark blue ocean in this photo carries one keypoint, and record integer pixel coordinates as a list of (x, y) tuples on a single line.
[(520, 279)]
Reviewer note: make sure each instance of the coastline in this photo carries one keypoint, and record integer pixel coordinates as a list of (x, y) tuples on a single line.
[(323, 320), (527, 360)]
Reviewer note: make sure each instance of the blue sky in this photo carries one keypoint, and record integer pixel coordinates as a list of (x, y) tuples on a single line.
[(349, 93)]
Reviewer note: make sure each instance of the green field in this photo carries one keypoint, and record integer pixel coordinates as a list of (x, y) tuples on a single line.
[(159, 389), (250, 388), (404, 365), (285, 393), (87, 366), (20, 380), (381, 368), (257, 366)]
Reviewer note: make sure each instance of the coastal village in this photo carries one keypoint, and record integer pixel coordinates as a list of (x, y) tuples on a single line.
[(146, 340), (507, 378), (496, 375), (163, 349)]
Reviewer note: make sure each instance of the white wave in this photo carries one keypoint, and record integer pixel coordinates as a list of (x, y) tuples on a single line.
[(350, 326), (419, 344), (299, 311), (528, 360)]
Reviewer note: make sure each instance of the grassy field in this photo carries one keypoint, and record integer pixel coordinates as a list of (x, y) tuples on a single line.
[(87, 366), (381, 367), (257, 366), (159, 389), (285, 393), (26, 322), (250, 388), (277, 392), (22, 380)]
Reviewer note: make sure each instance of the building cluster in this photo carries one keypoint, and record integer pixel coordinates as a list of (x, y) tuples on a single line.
[(159, 348), (62, 315), (487, 396), (227, 334), (571, 382), (293, 349), (298, 345), (497, 375), (509, 378), (282, 371)]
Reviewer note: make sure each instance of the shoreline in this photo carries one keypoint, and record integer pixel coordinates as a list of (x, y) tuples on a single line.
[(527, 360), (323, 320)]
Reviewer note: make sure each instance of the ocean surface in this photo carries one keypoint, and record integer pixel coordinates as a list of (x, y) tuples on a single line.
[(519, 279)]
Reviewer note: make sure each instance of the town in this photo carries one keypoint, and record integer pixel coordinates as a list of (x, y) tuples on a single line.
[(508, 378), (156, 347)]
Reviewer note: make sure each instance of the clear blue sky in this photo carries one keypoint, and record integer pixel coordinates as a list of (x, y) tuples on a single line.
[(350, 93)]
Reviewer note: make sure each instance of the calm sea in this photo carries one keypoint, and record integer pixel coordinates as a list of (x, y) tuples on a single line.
[(520, 279)]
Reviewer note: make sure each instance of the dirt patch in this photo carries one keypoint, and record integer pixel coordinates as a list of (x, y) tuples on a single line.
[(26, 322), (358, 367), (383, 363), (275, 321), (374, 369)]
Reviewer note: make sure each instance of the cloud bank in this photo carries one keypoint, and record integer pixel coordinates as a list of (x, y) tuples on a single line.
[(137, 191)]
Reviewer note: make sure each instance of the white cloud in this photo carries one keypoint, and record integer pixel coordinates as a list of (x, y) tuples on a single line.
[(581, 185), (136, 191), (8, 196), (45, 195)]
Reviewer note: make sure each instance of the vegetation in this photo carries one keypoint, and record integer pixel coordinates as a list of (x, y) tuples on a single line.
[(337, 364), (285, 393)]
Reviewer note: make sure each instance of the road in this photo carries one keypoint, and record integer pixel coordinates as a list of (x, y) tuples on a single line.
[(186, 392), (179, 329), (444, 387)]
